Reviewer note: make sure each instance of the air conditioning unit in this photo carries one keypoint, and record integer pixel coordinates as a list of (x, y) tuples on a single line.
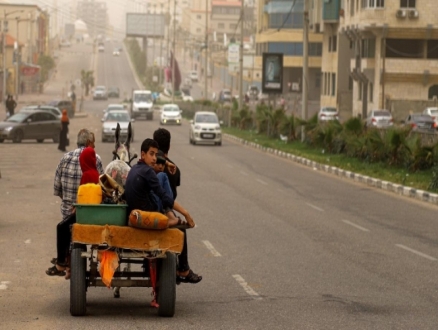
[(401, 13), (413, 13)]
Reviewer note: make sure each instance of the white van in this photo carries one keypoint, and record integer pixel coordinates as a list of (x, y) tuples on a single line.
[(142, 104)]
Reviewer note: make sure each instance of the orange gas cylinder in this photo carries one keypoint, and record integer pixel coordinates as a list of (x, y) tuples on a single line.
[(89, 193)]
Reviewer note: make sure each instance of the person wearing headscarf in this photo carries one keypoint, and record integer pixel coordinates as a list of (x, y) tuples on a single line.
[(64, 131), (87, 160)]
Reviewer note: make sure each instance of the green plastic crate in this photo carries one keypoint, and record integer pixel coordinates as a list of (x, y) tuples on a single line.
[(101, 214)]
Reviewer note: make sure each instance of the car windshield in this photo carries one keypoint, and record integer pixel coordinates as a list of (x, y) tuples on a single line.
[(100, 88), (433, 111), (171, 109), (421, 118), (329, 110), (17, 118), (142, 98), (227, 92), (115, 107), (382, 114), (113, 116), (205, 118)]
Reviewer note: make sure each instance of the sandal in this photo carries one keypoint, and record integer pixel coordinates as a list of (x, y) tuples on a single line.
[(67, 273), (53, 271), (53, 261), (181, 224), (191, 277)]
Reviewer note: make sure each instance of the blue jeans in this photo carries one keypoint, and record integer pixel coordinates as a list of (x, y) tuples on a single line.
[(164, 183)]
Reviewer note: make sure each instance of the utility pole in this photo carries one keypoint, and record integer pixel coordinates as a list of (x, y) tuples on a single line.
[(242, 16), (5, 31), (206, 52), (305, 66), (173, 53)]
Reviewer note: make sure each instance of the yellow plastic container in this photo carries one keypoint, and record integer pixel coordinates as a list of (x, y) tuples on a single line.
[(89, 193)]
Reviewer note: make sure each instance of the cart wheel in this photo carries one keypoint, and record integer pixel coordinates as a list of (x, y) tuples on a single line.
[(167, 285), (78, 287)]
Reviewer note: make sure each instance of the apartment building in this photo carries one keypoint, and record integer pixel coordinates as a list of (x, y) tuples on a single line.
[(95, 15), (378, 54), (280, 30)]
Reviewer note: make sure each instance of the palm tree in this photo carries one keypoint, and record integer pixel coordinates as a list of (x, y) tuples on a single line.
[(87, 80)]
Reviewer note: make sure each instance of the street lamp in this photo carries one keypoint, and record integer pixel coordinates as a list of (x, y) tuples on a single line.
[(5, 31)]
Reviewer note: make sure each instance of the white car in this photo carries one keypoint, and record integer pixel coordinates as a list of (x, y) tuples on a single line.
[(101, 48), (109, 125), (433, 112), (113, 107), (194, 75), (170, 114), (100, 93), (205, 127), (379, 118), (328, 113), (116, 52)]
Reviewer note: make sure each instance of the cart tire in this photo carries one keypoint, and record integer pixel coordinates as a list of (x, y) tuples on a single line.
[(78, 295), (167, 286)]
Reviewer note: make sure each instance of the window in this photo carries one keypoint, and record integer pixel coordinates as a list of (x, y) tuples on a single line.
[(318, 80), (350, 83), (198, 30), (221, 26), (368, 48), (360, 92), (233, 26), (333, 84), (198, 16), (371, 92), (407, 3), (335, 42), (330, 45), (373, 3), (286, 21)]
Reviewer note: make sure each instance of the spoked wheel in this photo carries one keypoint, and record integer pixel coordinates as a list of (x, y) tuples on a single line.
[(18, 136), (167, 285), (78, 288)]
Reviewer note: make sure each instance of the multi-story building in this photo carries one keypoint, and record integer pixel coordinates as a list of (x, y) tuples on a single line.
[(379, 54), (94, 14), (280, 30)]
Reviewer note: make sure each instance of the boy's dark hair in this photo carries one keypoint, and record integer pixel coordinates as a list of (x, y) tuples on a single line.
[(160, 157), (147, 144), (162, 136)]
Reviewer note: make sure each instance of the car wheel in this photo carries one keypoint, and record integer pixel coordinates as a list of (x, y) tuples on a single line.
[(40, 140), (18, 137), (219, 143)]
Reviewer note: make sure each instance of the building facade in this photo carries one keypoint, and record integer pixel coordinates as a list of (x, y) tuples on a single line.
[(280, 30), (384, 54), (95, 15)]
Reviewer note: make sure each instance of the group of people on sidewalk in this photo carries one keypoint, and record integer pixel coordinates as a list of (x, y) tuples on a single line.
[(151, 186)]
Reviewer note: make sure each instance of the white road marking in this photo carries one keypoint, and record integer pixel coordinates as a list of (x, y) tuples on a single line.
[(354, 225), (421, 254), (4, 285), (212, 249), (244, 173), (246, 287), (261, 181), (315, 207), (27, 241)]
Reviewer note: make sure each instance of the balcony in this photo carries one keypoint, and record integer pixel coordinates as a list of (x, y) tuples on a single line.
[(330, 11)]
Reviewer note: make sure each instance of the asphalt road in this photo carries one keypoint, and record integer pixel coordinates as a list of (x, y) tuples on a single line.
[(280, 246)]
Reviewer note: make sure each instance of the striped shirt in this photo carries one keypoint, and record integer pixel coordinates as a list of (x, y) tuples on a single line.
[(67, 179)]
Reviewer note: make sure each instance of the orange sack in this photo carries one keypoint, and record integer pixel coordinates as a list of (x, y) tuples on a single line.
[(109, 262), (148, 220)]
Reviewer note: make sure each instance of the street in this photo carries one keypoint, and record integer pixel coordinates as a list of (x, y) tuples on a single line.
[(279, 245)]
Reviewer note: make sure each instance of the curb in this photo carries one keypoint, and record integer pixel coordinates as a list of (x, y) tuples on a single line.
[(131, 66), (398, 189)]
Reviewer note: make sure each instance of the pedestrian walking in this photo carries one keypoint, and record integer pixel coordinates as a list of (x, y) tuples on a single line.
[(63, 141), (10, 106)]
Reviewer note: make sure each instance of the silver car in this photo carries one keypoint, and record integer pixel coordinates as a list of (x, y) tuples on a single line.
[(100, 93), (205, 128), (48, 108), (170, 114), (328, 113), (109, 125), (379, 118), (420, 123), (29, 125), (433, 112)]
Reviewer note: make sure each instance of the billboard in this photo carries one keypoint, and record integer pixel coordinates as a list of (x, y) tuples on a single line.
[(233, 57), (272, 73), (145, 25)]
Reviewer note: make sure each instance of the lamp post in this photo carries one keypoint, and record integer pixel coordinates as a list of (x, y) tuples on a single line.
[(18, 58), (5, 31)]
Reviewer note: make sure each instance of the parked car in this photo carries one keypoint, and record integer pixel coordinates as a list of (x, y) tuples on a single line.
[(48, 108), (113, 92), (28, 125), (101, 48), (100, 93), (109, 125), (113, 107), (194, 76), (170, 114), (433, 112), (379, 118), (328, 113), (225, 95), (252, 92), (420, 122), (205, 128), (63, 104)]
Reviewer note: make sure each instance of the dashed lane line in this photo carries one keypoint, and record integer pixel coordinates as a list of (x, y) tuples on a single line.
[(246, 287), (315, 207), (354, 225), (213, 251), (421, 254)]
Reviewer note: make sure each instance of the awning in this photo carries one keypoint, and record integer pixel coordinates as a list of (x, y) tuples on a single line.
[(284, 7)]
